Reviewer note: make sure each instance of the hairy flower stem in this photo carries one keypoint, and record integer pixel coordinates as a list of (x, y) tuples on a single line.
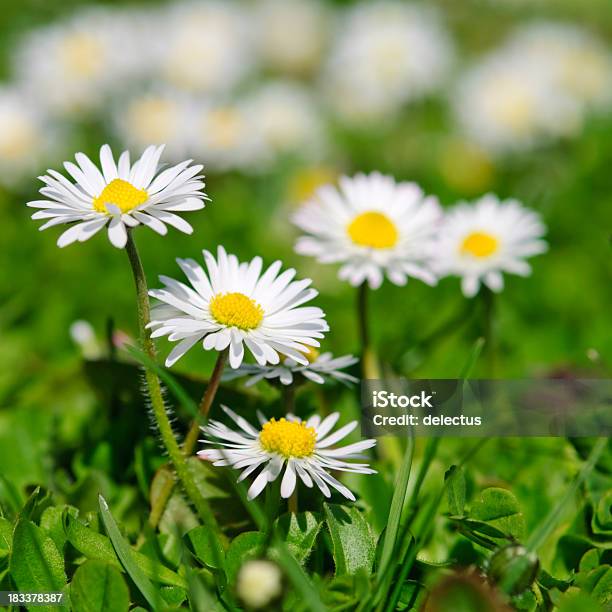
[(155, 392), (206, 403)]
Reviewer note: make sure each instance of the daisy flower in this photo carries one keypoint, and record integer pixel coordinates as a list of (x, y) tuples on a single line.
[(302, 448), (374, 226), (386, 54), (120, 195), (481, 241), (232, 304), (321, 366)]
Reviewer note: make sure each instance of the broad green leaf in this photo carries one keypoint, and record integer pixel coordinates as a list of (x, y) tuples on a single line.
[(6, 536), (99, 587), (52, 523), (36, 566), (299, 532), (174, 596), (248, 545), (590, 560), (455, 489), (499, 508), (205, 545), (602, 518), (597, 582), (577, 601), (353, 542), (125, 554), (97, 546)]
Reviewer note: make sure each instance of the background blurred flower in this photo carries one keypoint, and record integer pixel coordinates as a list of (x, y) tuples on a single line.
[(292, 34), (480, 241), (373, 226), (287, 119), (164, 115), (301, 447), (26, 138), (385, 54), (75, 65), (233, 304), (206, 46), (120, 195)]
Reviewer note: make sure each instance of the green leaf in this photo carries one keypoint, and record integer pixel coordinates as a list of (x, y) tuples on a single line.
[(99, 587), (205, 545), (597, 582), (299, 532), (248, 545), (602, 518), (6, 536), (36, 565), (125, 554), (353, 542), (97, 546), (499, 508), (455, 490)]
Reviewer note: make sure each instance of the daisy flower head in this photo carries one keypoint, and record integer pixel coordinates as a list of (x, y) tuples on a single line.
[(481, 241), (233, 304), (374, 226), (320, 367), (301, 448), (119, 196)]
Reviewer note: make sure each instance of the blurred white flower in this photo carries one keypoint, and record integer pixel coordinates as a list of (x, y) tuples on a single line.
[(163, 115), (233, 305), (321, 366), (73, 66), (293, 34), (83, 335), (287, 119), (374, 226), (386, 54), (119, 196), (259, 582), (25, 138), (225, 137), (578, 63), (205, 46), (302, 448), (507, 103), (480, 241)]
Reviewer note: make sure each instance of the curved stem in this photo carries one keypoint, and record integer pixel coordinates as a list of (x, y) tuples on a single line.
[(155, 392), (206, 403)]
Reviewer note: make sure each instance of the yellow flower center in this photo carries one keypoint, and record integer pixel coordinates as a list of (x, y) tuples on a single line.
[(236, 310), (479, 244), (373, 229), (122, 194), (288, 438), (81, 55)]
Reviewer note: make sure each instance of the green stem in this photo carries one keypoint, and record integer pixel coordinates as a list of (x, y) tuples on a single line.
[(292, 503), (206, 403), (155, 392), (369, 360), (288, 393), (488, 303)]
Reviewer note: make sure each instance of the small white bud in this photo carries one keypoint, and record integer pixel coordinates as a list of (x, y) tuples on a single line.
[(259, 582)]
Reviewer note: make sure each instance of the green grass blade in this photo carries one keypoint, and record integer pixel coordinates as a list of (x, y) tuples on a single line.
[(124, 552)]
